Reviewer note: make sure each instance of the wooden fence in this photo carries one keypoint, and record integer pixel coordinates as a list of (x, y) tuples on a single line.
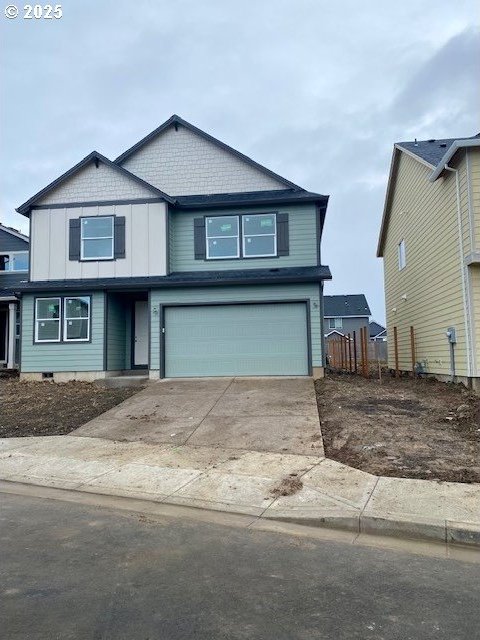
[(355, 353)]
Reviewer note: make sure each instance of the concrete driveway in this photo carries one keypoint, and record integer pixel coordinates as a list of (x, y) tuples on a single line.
[(259, 414)]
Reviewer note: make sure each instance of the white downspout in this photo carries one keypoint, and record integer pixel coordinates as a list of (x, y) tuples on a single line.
[(465, 288)]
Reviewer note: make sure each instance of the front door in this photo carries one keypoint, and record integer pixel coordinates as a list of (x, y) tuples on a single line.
[(140, 346)]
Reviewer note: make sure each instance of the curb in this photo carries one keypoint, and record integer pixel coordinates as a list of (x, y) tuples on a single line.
[(437, 530)]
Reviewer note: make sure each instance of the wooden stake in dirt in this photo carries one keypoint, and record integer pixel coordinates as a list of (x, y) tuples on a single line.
[(412, 349), (365, 339), (355, 351), (349, 353), (395, 346)]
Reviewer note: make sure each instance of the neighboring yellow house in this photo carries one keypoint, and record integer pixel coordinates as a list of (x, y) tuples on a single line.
[(430, 243)]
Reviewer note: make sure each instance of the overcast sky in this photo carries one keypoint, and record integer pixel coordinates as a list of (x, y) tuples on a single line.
[(315, 90)]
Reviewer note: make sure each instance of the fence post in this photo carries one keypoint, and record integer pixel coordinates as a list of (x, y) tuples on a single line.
[(362, 352), (349, 353), (365, 338), (355, 352), (412, 348), (395, 346)]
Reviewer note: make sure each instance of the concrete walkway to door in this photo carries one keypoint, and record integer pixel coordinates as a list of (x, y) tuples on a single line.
[(257, 414)]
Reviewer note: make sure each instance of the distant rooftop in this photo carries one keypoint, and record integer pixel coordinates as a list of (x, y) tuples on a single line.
[(348, 305), (432, 151)]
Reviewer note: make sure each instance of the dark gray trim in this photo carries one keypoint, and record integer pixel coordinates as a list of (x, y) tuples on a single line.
[(309, 337), (74, 239), (282, 234), (161, 355), (97, 157), (95, 203), (162, 307), (62, 318), (149, 311), (199, 238), (132, 339), (322, 325), (167, 233), (176, 120), (119, 230), (284, 275), (105, 331), (187, 203)]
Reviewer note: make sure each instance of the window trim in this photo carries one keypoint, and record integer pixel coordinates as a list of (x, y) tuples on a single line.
[(112, 238), (65, 319), (402, 254), (335, 320), (241, 252), (10, 254), (62, 334), (207, 238), (257, 235), (37, 340)]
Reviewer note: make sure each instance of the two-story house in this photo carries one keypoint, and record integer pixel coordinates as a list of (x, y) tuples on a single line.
[(430, 245), (13, 269), (346, 314), (182, 257)]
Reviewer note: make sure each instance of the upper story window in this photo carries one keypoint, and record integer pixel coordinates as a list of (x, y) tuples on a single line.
[(96, 238), (14, 261), (402, 255), (335, 323), (259, 235), (223, 238)]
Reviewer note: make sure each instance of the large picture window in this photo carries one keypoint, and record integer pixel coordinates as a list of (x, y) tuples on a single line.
[(222, 235), (96, 238), (47, 319), (259, 235), (76, 318), (72, 314)]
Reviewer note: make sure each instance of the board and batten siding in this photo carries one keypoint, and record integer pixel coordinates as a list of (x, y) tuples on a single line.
[(145, 243), (302, 240), (261, 293), (62, 356), (427, 294)]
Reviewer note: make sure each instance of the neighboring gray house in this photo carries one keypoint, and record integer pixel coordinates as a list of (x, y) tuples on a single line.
[(345, 314), (13, 269), (181, 258), (378, 332)]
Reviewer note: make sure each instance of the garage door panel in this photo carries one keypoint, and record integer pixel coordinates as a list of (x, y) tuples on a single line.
[(216, 340)]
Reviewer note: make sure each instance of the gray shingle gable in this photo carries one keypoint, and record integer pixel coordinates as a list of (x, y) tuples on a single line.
[(347, 305), (431, 151)]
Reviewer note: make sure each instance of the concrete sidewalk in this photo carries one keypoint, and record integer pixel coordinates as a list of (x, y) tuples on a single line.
[(240, 481)]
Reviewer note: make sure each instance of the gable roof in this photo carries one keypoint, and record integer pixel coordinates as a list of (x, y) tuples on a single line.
[(176, 121), (431, 151), (96, 157), (375, 329), (344, 306), (434, 154), (14, 232)]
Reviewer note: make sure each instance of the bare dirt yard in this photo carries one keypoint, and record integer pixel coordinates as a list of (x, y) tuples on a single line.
[(50, 408), (401, 427)]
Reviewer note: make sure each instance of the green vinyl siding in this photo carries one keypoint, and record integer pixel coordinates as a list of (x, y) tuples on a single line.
[(236, 340), (302, 245), (117, 312), (260, 293), (62, 356)]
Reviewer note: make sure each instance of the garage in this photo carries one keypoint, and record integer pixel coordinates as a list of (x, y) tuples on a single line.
[(236, 340)]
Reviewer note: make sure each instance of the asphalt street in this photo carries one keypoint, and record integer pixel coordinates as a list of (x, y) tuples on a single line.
[(85, 572)]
